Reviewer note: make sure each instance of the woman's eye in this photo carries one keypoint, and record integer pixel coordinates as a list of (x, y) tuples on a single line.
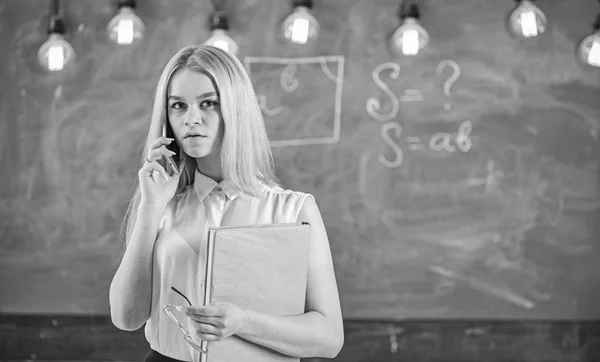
[(178, 105), (208, 103)]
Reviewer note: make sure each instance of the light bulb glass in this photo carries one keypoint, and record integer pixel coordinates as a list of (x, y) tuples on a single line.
[(589, 49), (221, 39), (55, 53), (300, 26), (126, 27), (410, 37), (527, 20)]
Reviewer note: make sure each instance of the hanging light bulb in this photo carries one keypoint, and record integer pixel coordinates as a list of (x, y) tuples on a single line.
[(527, 20), (300, 26), (410, 37), (589, 48), (56, 52), (126, 27), (220, 37)]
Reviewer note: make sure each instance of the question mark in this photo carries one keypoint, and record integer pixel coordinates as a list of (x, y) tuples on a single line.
[(450, 81)]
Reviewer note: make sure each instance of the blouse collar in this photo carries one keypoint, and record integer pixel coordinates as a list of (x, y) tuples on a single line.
[(204, 185)]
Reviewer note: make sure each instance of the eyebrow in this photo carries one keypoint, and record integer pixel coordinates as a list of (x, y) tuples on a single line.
[(204, 95)]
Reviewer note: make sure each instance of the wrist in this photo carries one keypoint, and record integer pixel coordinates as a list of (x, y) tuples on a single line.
[(152, 206), (247, 319)]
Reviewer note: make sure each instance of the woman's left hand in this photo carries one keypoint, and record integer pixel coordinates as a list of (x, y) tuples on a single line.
[(217, 321)]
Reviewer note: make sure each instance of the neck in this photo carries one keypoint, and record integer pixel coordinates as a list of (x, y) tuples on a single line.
[(210, 166)]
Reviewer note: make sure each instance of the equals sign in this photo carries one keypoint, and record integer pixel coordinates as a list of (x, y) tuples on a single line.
[(412, 95), (415, 143)]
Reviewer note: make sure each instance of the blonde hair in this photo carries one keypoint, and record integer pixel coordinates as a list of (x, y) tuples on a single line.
[(245, 155)]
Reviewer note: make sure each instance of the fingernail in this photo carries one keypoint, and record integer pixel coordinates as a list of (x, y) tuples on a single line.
[(180, 308)]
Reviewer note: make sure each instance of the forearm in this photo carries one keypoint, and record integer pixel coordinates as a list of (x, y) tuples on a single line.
[(131, 288), (307, 335)]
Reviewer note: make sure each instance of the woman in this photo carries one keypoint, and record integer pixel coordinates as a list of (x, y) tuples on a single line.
[(207, 103)]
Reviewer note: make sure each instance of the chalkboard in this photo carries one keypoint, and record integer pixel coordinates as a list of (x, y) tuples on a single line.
[(459, 184)]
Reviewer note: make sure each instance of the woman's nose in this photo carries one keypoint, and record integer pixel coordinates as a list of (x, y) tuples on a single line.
[(194, 116)]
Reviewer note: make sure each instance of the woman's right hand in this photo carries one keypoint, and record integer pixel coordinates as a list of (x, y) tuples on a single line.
[(156, 186)]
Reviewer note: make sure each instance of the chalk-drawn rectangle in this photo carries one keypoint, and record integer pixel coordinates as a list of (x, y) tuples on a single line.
[(301, 98)]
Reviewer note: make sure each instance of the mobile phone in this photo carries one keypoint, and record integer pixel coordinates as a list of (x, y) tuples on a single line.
[(172, 166)]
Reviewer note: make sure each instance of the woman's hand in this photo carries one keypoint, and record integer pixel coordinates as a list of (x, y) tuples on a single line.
[(217, 321), (156, 186)]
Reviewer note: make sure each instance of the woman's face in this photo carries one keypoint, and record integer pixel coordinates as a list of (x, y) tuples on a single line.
[(194, 113)]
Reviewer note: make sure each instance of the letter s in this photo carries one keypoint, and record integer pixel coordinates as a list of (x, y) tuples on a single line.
[(386, 137), (373, 104)]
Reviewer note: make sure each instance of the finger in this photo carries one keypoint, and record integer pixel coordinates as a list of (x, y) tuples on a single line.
[(213, 321), (208, 336), (161, 141), (154, 166), (158, 153), (206, 311), (206, 328)]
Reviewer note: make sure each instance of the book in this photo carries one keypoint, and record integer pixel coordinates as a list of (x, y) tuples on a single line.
[(258, 267)]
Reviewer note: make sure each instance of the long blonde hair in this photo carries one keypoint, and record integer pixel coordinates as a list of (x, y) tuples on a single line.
[(245, 156)]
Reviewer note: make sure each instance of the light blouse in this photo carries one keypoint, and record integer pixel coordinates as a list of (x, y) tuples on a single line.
[(179, 251)]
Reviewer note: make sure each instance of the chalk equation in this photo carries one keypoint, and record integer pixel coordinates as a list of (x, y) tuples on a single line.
[(409, 95), (391, 132), (441, 141)]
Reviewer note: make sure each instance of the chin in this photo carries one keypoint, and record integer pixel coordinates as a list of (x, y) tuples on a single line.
[(197, 153)]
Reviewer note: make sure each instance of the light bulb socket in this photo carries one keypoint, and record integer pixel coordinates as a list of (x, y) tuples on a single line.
[(305, 3), (127, 3), (409, 9), (597, 23), (218, 20), (56, 25)]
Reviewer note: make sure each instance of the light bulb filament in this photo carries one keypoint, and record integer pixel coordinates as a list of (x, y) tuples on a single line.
[(300, 31), (594, 56), (221, 44), (410, 42), (529, 24), (56, 58), (125, 31)]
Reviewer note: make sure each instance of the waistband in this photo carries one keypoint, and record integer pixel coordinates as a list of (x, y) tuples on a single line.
[(157, 357)]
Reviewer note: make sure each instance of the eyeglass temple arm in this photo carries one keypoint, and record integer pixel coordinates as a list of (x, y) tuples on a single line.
[(180, 293)]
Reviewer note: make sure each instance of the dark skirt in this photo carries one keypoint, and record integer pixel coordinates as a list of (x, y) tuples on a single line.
[(157, 357)]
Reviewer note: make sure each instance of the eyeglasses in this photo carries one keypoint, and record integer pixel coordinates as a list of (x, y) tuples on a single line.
[(186, 334)]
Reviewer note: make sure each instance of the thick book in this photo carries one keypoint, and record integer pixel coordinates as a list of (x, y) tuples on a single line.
[(259, 267)]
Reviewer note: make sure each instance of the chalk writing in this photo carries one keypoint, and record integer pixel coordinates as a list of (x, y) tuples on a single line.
[(491, 179), (499, 291), (373, 104), (412, 95), (442, 141), (262, 101), (450, 81), (415, 143), (287, 79), (398, 151), (290, 80)]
